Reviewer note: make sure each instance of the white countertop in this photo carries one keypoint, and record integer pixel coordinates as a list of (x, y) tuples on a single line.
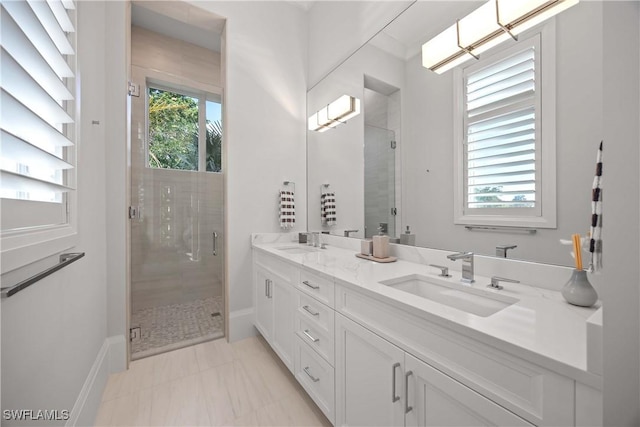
[(541, 327)]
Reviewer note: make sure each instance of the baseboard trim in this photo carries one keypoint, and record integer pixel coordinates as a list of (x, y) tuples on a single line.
[(241, 325), (86, 407), (110, 358)]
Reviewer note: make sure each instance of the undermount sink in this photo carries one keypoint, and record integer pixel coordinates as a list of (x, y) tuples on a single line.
[(297, 249), (470, 300)]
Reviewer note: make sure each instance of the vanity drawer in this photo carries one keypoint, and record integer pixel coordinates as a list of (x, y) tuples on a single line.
[(317, 377), (319, 315), (276, 266), (536, 394), (317, 338), (319, 287)]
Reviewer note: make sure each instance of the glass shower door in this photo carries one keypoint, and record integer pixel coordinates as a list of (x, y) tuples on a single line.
[(379, 181), (177, 228)]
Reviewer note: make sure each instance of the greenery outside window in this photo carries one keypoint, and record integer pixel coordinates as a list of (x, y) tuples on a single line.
[(505, 136), (175, 119)]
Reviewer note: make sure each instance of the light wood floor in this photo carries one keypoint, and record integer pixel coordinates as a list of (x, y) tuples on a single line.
[(210, 384)]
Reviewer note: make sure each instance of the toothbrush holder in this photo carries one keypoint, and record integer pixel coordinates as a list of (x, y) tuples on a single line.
[(578, 290)]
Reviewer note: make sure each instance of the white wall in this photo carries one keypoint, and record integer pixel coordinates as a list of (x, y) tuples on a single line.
[(338, 28), (265, 101), (116, 189), (621, 275), (53, 330)]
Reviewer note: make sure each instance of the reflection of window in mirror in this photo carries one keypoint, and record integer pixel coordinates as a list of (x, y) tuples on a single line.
[(175, 119), (505, 136)]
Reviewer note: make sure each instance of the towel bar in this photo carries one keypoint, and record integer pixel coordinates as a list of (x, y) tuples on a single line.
[(65, 259), (502, 229)]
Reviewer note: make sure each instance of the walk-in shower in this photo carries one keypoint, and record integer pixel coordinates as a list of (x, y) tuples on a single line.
[(177, 192)]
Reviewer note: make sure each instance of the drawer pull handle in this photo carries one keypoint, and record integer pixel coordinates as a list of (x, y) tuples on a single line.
[(311, 312), (311, 337), (314, 379), (268, 283), (306, 282), (407, 408), (394, 397)]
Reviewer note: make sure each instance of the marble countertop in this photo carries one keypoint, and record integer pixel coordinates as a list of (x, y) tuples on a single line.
[(540, 327)]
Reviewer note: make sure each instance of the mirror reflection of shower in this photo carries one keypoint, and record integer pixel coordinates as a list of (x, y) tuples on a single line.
[(381, 159)]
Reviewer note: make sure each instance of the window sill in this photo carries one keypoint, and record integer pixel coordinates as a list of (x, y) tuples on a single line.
[(22, 249)]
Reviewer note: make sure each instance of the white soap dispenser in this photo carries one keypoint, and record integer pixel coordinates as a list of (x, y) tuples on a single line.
[(408, 238), (381, 245)]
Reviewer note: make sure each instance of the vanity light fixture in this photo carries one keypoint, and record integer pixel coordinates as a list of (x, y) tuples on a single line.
[(339, 111), (485, 27)]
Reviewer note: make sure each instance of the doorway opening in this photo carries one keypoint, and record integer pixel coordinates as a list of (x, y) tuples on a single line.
[(177, 230)]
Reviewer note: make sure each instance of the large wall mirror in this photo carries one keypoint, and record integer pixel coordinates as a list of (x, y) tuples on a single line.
[(392, 165)]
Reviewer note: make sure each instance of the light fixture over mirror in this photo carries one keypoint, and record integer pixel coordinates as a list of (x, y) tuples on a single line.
[(339, 111), (485, 27)]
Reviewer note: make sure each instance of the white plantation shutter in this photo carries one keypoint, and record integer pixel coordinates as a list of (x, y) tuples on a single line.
[(501, 132), (37, 111)]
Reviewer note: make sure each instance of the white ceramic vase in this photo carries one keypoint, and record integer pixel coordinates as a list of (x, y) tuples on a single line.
[(578, 290)]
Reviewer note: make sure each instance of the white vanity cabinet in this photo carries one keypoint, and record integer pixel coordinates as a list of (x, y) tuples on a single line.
[(488, 384), (435, 399), (314, 344), (379, 384), (366, 359), (275, 304), (369, 377), (263, 301)]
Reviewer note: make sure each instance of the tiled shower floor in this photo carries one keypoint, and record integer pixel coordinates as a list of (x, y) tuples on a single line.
[(173, 326)]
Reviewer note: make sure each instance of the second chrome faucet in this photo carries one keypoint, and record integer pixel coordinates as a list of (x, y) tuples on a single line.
[(467, 265)]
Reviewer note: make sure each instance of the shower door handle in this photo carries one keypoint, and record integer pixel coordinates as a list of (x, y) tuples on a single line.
[(215, 244)]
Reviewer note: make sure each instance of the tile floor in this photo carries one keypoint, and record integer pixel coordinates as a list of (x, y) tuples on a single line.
[(169, 327), (209, 384)]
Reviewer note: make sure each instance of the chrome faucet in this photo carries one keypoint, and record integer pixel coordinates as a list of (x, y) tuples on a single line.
[(467, 265), (495, 282), (501, 250), (348, 232), (315, 239)]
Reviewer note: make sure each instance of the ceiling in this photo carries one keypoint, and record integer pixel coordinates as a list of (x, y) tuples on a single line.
[(179, 20)]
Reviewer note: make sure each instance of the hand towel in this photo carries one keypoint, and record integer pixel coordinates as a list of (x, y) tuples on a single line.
[(328, 208), (287, 209), (595, 244)]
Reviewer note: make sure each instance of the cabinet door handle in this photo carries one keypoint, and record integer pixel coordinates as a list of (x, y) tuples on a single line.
[(394, 397), (215, 244), (314, 379), (270, 287), (407, 408), (306, 282), (266, 288), (311, 337), (311, 312)]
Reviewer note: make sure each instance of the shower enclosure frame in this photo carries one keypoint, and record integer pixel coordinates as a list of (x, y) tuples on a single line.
[(222, 246)]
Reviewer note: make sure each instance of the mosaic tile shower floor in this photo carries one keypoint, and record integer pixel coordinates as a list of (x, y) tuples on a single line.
[(174, 326)]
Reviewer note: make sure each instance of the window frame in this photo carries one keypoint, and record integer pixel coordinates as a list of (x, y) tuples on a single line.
[(23, 246), (545, 215), (202, 96)]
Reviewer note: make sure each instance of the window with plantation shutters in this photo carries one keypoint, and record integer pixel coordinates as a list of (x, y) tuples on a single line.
[(501, 134), (37, 121), (502, 141)]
